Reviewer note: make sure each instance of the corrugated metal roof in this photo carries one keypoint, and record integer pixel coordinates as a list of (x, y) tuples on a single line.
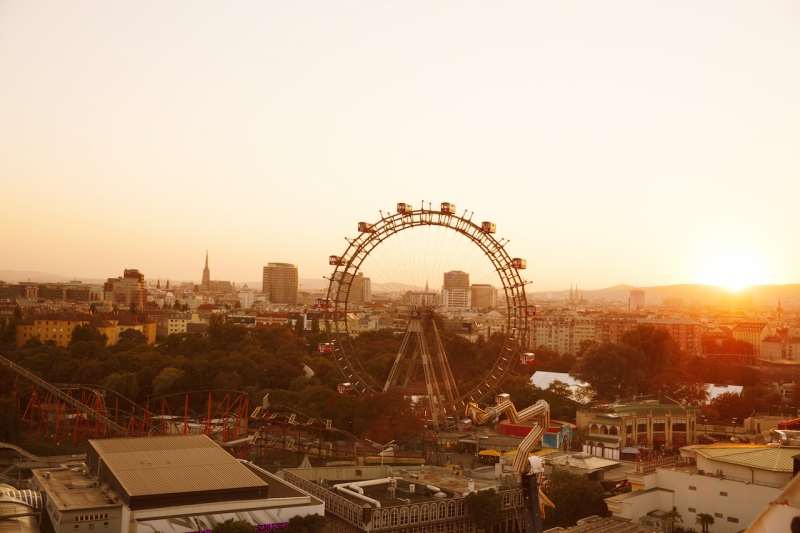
[(173, 464), (772, 458)]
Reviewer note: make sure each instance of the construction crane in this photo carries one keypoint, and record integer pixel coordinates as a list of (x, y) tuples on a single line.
[(530, 468)]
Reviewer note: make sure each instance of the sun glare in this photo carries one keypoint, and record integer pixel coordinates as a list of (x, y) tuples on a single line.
[(734, 269)]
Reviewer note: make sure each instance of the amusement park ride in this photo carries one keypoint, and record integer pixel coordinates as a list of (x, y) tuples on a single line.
[(440, 387), (70, 414), (436, 385)]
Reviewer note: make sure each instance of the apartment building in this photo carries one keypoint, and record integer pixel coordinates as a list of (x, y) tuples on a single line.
[(753, 333)]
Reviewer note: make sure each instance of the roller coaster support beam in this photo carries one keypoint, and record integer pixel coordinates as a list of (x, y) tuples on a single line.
[(89, 412)]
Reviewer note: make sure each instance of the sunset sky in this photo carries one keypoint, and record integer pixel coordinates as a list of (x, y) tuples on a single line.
[(611, 142)]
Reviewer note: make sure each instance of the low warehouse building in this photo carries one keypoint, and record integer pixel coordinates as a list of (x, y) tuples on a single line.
[(172, 484)]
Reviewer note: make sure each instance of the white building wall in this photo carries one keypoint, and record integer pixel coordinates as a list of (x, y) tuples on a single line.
[(732, 512)]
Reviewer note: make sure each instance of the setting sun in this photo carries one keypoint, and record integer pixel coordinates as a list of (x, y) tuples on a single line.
[(734, 269)]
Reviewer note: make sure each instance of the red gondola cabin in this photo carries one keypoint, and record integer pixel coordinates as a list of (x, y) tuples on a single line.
[(345, 388), (533, 310), (335, 260), (526, 359), (448, 208), (519, 264), (502, 397), (488, 227), (325, 347), (404, 208), (322, 303), (366, 227)]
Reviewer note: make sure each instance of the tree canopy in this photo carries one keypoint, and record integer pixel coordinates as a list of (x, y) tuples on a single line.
[(575, 497), (485, 508)]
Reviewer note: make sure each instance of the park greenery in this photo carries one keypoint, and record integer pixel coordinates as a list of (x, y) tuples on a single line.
[(274, 361), (485, 508), (575, 497)]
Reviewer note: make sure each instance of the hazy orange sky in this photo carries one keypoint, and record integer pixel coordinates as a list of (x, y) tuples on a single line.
[(611, 142)]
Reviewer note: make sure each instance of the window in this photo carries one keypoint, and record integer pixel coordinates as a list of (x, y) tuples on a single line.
[(451, 509), (394, 517), (424, 514), (386, 518), (679, 424), (442, 508), (376, 520), (629, 426), (641, 425), (414, 515), (404, 516), (659, 424), (433, 511)]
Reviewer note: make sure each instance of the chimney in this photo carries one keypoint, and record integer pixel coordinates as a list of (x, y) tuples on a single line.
[(471, 486)]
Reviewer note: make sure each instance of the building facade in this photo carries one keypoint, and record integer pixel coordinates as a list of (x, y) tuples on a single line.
[(752, 333), (280, 283), (483, 296)]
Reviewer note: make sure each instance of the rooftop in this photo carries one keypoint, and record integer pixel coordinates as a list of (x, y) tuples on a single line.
[(173, 464), (68, 488), (772, 458)]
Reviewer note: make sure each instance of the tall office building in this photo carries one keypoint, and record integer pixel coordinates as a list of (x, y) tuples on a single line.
[(483, 296), (636, 299), (366, 290), (129, 289), (280, 283), (455, 289)]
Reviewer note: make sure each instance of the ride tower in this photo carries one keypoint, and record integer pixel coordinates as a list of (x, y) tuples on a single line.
[(437, 383)]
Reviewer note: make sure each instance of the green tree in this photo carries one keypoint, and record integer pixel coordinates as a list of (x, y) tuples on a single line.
[(87, 333), (132, 337), (133, 308), (673, 517), (704, 520), (613, 370), (575, 497), (17, 313), (166, 381), (312, 523), (234, 526), (485, 508), (125, 384)]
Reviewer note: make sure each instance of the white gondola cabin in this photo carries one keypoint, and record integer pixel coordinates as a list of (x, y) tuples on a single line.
[(526, 358), (519, 264), (464, 425), (534, 310), (488, 227), (404, 208), (335, 260), (325, 347), (345, 388), (501, 397), (366, 227), (448, 208)]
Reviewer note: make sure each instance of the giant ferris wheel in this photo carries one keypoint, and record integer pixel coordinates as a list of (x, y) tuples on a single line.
[(403, 252)]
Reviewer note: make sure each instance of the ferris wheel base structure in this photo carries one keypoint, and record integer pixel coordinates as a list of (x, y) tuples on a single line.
[(444, 399)]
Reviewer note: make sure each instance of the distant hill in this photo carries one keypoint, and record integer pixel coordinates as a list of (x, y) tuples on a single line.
[(703, 294), (17, 276)]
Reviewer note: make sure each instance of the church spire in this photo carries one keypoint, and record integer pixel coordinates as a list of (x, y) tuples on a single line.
[(206, 283)]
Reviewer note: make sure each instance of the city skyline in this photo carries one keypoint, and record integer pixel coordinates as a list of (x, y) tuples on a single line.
[(614, 143)]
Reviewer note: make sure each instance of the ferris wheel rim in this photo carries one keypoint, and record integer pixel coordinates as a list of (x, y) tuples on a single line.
[(360, 248)]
